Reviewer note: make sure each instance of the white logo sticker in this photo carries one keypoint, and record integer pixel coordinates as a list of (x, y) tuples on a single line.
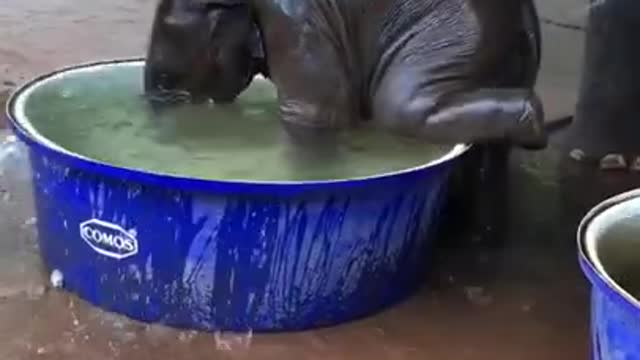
[(109, 239)]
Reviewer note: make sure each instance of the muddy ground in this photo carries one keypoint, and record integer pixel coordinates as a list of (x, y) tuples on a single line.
[(539, 311)]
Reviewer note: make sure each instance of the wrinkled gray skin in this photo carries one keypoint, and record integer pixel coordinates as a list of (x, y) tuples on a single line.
[(449, 71)]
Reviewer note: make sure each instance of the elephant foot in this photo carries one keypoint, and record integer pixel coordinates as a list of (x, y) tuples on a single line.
[(635, 164), (613, 162), (577, 155), (609, 162)]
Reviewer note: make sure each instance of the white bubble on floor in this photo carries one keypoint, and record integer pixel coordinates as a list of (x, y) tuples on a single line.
[(57, 279)]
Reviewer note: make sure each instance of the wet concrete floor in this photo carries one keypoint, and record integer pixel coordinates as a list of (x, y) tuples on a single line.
[(513, 291)]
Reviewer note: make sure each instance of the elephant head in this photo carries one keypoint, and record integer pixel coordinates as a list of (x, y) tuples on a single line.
[(202, 49)]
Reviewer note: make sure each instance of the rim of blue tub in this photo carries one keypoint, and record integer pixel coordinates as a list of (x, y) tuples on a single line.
[(23, 129), (596, 220)]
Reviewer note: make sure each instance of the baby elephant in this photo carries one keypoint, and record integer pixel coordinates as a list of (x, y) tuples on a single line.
[(448, 71)]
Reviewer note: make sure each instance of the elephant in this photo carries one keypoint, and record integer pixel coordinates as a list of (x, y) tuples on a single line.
[(446, 71)]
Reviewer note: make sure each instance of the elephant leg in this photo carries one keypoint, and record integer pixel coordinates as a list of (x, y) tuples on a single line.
[(443, 84), (477, 115), (314, 86)]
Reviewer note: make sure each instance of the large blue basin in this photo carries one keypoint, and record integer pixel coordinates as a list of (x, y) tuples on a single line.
[(217, 255), (608, 240)]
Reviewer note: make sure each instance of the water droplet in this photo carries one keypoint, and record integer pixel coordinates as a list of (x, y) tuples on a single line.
[(29, 222), (36, 292), (254, 112), (57, 279), (233, 341), (477, 296)]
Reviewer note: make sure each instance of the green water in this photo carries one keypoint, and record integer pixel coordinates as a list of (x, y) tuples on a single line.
[(618, 252), (101, 114)]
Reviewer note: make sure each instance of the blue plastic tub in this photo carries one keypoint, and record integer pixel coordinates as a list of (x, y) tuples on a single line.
[(609, 239), (216, 255)]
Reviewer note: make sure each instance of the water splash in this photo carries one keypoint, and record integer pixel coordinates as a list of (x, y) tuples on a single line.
[(14, 159), (15, 170), (57, 279), (228, 341)]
